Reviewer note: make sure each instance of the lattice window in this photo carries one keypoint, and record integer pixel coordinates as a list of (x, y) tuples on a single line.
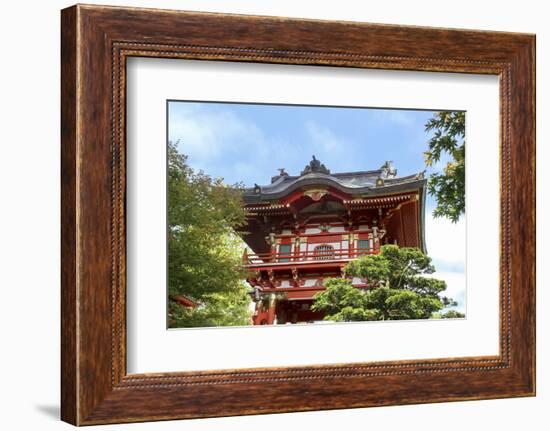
[(323, 252), (363, 246), (284, 251)]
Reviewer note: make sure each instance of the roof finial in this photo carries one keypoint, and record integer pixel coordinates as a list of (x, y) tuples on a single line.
[(388, 170), (282, 174), (420, 175), (315, 166)]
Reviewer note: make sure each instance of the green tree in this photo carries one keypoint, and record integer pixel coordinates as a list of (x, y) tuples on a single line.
[(450, 314), (204, 259), (448, 139), (343, 302), (400, 288)]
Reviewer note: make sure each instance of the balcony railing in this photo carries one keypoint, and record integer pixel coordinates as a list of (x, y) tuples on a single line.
[(306, 256)]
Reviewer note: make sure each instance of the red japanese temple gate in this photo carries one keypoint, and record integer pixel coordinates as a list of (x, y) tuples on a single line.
[(304, 229)]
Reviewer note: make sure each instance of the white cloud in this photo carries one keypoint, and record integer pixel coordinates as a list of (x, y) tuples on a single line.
[(322, 137), (456, 287), (204, 135), (446, 245), (226, 144), (395, 116), (223, 143), (446, 241)]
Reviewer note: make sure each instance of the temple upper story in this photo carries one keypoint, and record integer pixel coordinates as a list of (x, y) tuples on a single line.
[(315, 202), (303, 229)]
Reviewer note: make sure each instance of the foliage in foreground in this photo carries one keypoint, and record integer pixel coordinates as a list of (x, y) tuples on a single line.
[(450, 314), (399, 289), (204, 263), (449, 140)]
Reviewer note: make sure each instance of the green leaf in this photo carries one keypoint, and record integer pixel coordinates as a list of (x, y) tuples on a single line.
[(447, 187), (399, 287), (204, 250)]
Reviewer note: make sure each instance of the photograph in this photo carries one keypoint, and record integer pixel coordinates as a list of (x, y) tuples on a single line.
[(319, 216), (296, 214)]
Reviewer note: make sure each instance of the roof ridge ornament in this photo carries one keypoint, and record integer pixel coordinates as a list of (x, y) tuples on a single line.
[(420, 175), (315, 166), (388, 170), (282, 174)]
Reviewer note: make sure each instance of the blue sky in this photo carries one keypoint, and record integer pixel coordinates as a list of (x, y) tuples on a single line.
[(258, 139), (247, 143)]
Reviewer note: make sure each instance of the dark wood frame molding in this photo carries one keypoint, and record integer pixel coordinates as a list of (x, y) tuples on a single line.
[(95, 43)]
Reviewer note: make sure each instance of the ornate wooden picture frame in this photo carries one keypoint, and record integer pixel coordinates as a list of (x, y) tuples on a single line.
[(96, 41)]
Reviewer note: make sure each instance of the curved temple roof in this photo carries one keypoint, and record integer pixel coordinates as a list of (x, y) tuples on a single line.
[(375, 182)]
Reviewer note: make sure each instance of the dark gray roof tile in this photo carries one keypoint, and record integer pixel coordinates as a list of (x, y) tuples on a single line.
[(316, 174)]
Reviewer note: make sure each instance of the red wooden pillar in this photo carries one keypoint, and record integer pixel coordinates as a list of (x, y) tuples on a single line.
[(297, 247), (260, 316), (271, 312)]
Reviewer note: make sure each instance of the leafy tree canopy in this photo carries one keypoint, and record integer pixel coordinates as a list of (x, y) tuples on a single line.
[(400, 288), (447, 187), (204, 262), (450, 314)]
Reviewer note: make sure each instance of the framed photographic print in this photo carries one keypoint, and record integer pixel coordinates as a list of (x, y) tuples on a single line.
[(329, 214)]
